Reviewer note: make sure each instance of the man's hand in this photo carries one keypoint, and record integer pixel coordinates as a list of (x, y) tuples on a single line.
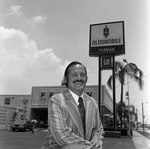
[(96, 142), (79, 145)]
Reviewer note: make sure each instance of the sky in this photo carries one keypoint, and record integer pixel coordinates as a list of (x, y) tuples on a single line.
[(39, 38)]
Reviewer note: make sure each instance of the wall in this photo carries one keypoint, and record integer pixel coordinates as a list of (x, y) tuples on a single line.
[(41, 94)]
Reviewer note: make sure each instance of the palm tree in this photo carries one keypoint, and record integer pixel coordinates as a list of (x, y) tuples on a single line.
[(125, 111), (121, 108), (121, 71), (133, 113)]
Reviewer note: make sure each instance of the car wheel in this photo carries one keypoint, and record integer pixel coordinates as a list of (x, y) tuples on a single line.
[(25, 129), (13, 129)]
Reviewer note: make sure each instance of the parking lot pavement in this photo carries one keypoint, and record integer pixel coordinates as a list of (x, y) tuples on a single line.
[(21, 140), (29, 140)]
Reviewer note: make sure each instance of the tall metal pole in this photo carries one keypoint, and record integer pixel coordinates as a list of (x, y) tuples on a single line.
[(114, 95), (143, 115), (124, 60), (100, 108), (128, 103), (137, 117)]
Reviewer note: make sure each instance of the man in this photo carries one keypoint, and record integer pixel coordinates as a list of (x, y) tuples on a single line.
[(33, 121), (68, 128)]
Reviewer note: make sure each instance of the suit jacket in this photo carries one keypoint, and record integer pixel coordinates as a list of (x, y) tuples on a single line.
[(65, 125)]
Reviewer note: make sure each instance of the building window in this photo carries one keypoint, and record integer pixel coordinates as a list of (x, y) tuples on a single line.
[(7, 101), (22, 118)]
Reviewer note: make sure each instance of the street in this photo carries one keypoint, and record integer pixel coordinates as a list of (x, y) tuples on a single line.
[(21, 140), (29, 140)]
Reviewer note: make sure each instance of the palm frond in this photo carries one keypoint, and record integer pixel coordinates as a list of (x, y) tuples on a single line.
[(118, 66)]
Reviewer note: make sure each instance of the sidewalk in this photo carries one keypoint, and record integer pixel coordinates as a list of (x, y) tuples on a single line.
[(137, 141), (140, 141)]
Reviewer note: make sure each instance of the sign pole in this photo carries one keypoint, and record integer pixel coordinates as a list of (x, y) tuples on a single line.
[(100, 108), (114, 96), (106, 40)]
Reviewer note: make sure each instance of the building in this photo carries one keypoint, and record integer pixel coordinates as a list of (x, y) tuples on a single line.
[(14, 107)]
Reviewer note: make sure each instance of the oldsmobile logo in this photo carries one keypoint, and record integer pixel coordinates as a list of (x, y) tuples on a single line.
[(106, 31)]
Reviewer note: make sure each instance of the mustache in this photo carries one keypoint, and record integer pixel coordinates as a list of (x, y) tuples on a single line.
[(78, 81)]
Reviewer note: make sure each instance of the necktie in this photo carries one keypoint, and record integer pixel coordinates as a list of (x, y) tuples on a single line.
[(82, 111)]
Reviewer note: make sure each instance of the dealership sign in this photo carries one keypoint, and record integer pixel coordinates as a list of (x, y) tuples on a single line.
[(107, 39), (106, 62)]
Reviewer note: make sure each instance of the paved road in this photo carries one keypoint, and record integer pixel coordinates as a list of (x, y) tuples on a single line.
[(29, 140), (21, 140)]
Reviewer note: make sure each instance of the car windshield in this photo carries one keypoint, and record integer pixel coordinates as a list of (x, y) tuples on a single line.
[(19, 121)]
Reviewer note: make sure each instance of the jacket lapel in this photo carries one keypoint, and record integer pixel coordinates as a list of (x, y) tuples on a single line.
[(73, 111), (89, 115)]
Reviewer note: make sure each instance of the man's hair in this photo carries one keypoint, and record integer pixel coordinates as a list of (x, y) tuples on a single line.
[(67, 71)]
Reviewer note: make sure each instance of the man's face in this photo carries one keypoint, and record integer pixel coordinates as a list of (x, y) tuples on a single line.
[(77, 78)]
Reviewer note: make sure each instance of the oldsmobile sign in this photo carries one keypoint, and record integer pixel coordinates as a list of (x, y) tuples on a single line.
[(107, 39)]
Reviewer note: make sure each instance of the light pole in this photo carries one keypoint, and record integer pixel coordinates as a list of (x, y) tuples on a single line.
[(137, 117), (143, 116), (24, 100), (128, 97)]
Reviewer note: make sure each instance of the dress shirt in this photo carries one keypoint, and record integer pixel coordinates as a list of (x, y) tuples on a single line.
[(76, 97)]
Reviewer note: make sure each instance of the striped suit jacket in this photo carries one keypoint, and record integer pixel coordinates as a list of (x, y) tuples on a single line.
[(65, 125)]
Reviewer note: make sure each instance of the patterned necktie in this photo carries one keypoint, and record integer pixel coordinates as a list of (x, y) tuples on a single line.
[(82, 111)]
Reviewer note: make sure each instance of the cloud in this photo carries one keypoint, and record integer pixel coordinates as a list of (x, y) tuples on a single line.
[(23, 65), (14, 10), (39, 19)]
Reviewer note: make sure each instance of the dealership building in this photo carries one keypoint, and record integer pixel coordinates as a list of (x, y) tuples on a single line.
[(13, 107)]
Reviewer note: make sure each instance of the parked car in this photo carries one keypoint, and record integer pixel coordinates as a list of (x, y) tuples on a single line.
[(22, 125), (140, 129)]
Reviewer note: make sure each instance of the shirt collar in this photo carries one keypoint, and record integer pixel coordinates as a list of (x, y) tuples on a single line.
[(75, 96)]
